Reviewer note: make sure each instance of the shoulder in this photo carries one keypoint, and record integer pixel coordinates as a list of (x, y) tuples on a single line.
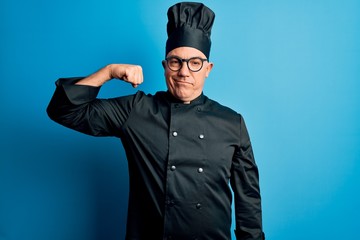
[(141, 99), (148, 96), (217, 108), (137, 97)]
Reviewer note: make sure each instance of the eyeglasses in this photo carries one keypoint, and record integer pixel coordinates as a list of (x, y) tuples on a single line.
[(194, 64)]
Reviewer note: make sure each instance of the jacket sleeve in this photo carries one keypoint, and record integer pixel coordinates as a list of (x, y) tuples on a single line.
[(77, 107), (245, 184)]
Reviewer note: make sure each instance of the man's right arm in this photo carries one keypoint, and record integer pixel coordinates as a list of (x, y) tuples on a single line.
[(126, 72), (75, 105)]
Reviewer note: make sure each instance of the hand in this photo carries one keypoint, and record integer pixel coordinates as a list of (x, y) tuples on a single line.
[(129, 73)]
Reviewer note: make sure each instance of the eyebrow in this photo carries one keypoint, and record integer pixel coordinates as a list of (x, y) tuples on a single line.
[(185, 58)]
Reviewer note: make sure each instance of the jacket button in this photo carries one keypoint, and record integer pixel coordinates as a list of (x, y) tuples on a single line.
[(198, 206), (174, 133), (170, 203), (201, 136), (200, 170), (173, 168)]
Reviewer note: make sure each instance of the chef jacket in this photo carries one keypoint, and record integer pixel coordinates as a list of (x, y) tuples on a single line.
[(183, 160)]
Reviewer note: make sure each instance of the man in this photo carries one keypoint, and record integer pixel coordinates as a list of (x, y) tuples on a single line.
[(184, 150)]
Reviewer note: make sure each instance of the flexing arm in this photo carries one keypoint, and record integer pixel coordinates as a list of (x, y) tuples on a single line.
[(75, 104), (129, 73)]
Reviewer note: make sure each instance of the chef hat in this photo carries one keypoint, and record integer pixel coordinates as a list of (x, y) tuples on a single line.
[(189, 25)]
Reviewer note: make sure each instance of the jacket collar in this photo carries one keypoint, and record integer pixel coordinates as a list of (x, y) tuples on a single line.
[(199, 100)]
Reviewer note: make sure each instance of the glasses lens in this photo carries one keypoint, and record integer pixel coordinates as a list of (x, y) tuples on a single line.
[(195, 64), (174, 63)]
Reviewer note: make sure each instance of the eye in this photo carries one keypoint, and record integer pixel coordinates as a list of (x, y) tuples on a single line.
[(173, 61), (195, 62)]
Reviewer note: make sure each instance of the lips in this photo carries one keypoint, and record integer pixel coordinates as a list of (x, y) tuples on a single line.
[(179, 81)]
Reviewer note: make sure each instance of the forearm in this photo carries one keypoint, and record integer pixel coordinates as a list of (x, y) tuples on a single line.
[(247, 199), (98, 78), (126, 72)]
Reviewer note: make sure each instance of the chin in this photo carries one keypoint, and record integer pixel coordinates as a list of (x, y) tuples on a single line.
[(180, 94), (182, 98)]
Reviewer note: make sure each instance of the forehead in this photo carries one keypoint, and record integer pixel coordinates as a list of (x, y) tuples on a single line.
[(186, 52)]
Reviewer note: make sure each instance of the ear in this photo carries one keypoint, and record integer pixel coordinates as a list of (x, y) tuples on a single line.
[(208, 68), (163, 62)]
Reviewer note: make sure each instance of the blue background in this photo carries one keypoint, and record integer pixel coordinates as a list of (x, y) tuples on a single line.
[(292, 68)]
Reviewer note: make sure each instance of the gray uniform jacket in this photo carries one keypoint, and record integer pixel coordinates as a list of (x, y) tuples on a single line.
[(185, 161)]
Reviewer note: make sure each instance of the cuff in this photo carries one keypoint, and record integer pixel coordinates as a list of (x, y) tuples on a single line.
[(240, 236), (77, 94)]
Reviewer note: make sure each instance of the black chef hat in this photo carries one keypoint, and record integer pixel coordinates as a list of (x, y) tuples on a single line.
[(189, 25)]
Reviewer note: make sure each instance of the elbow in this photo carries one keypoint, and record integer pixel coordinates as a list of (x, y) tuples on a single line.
[(51, 112)]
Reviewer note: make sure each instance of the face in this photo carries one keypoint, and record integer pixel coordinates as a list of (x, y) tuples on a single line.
[(184, 84)]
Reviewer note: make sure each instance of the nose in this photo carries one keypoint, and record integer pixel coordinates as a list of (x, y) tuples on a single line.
[(184, 70)]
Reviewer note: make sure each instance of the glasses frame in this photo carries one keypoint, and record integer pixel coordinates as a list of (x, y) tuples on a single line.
[(182, 60)]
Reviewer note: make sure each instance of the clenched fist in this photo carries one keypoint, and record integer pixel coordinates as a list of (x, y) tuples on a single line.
[(129, 73), (126, 72)]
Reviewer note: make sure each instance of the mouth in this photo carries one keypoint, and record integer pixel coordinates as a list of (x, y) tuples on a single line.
[(182, 82)]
